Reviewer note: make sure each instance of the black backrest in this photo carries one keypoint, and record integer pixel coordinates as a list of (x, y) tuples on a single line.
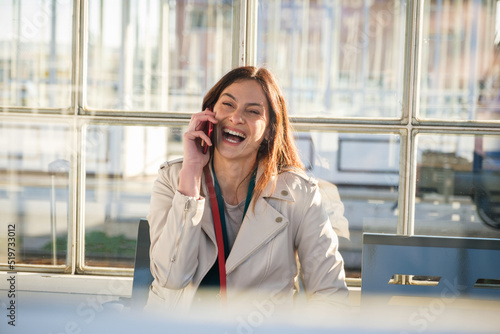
[(142, 273)]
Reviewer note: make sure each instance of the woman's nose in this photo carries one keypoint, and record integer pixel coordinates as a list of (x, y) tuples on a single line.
[(237, 116)]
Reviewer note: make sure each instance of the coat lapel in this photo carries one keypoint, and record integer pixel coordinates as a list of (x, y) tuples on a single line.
[(259, 225)]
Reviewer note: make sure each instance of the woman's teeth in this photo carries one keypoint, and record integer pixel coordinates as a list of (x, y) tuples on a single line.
[(233, 136)]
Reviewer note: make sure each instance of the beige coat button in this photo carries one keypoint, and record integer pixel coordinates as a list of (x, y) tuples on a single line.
[(284, 193), (279, 219)]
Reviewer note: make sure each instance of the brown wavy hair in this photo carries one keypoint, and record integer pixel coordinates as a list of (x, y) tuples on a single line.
[(279, 153)]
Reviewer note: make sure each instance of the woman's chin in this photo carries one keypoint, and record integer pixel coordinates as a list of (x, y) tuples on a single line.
[(236, 153)]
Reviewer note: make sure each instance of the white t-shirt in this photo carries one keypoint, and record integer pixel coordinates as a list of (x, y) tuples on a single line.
[(234, 218)]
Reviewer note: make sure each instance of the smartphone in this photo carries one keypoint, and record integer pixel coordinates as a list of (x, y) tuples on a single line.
[(208, 128)]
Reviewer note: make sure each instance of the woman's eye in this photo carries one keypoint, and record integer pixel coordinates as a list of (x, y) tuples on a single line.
[(256, 112), (227, 104)]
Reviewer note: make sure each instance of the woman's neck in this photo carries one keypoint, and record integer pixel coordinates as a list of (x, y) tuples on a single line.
[(233, 178)]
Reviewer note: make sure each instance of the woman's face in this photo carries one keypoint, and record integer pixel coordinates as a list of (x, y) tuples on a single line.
[(243, 113)]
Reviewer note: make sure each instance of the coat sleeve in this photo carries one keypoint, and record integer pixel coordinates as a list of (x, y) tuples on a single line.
[(321, 263), (175, 229)]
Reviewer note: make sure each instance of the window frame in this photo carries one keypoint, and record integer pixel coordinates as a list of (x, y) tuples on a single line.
[(244, 46)]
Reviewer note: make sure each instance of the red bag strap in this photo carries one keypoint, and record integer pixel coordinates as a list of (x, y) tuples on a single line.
[(218, 232)]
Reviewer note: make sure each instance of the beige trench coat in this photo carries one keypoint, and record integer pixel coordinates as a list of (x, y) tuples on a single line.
[(288, 220)]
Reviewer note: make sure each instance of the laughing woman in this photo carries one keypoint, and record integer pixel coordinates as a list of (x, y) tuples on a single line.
[(263, 212)]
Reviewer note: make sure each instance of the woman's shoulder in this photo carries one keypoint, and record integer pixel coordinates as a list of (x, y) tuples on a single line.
[(170, 169), (175, 163), (297, 178)]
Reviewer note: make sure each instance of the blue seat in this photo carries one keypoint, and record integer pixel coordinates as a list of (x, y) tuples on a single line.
[(433, 266)]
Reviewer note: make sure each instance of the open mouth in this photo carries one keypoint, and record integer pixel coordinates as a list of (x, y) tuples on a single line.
[(233, 136)]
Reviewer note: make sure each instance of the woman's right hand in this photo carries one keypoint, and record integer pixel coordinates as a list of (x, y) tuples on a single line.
[(194, 160)]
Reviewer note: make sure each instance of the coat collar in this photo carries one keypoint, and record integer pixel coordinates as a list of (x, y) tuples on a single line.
[(276, 187)]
